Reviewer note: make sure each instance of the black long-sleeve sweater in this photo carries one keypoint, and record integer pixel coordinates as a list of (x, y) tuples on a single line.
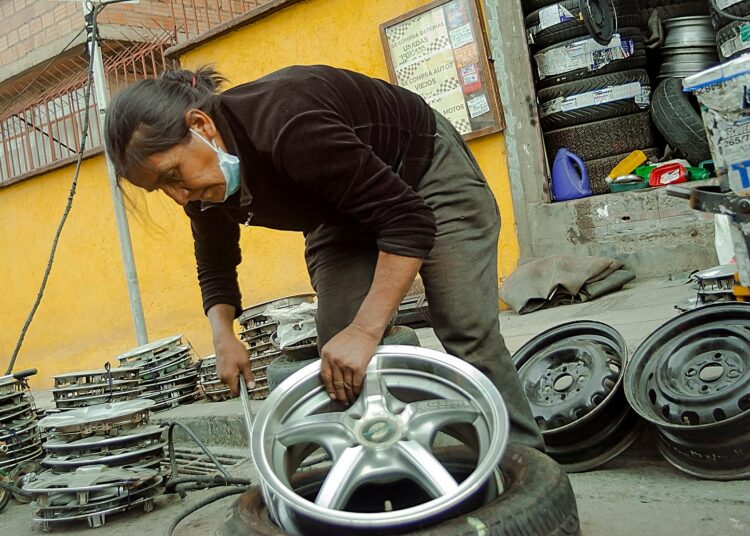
[(316, 145)]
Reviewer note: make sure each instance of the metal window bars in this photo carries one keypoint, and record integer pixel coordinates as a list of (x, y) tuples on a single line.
[(43, 126), (43, 129)]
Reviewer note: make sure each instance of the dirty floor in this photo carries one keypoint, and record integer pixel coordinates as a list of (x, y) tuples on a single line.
[(635, 494)]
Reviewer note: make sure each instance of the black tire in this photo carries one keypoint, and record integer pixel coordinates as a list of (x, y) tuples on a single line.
[(740, 9), (600, 168), (628, 15), (537, 500), (679, 123), (17, 474), (728, 33), (4, 497), (530, 6), (603, 138), (652, 4), (593, 113), (636, 61), (283, 366)]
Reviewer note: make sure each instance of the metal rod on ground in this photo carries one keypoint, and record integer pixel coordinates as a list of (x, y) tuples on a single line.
[(123, 232)]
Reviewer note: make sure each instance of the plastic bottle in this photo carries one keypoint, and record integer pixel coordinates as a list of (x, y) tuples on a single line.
[(570, 179), (667, 174), (627, 165)]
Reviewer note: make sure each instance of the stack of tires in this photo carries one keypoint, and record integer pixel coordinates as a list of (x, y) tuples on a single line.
[(732, 36), (675, 114), (594, 99)]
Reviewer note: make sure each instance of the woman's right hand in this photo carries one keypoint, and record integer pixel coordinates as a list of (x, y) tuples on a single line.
[(232, 361)]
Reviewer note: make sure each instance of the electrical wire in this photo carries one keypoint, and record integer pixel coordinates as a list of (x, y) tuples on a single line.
[(44, 70), (68, 205), (197, 506), (727, 15)]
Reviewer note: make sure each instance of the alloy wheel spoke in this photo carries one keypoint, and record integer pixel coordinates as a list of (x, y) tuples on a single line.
[(424, 419), (332, 431), (343, 478), (422, 466), (374, 393)]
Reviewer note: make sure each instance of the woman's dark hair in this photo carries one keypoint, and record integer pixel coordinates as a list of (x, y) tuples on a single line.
[(149, 116)]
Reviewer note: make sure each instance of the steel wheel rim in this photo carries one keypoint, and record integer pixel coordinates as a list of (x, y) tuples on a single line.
[(573, 375), (391, 437), (691, 379)]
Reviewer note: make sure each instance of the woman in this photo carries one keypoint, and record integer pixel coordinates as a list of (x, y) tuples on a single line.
[(382, 186)]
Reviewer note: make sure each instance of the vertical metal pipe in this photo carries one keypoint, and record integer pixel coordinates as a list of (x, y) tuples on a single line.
[(131, 275)]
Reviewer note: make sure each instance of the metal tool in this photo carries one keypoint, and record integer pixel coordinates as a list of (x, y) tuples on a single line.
[(249, 418)]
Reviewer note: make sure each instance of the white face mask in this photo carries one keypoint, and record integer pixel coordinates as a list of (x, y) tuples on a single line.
[(229, 166)]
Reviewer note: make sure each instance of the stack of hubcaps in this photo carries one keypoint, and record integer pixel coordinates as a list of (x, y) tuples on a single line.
[(92, 387), (19, 434), (691, 379), (100, 460), (258, 330), (383, 440), (572, 376), (167, 373), (209, 381)]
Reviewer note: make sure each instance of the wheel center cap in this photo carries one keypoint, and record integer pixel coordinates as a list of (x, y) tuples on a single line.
[(379, 431)]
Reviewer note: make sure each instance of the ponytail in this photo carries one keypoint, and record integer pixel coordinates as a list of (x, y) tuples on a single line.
[(149, 117)]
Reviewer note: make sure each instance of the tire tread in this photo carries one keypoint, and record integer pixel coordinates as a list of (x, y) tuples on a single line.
[(592, 113), (678, 122), (601, 139)]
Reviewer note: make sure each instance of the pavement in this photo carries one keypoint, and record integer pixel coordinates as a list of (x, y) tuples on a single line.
[(637, 493)]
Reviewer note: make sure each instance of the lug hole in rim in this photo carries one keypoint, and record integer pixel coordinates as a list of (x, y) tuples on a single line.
[(690, 417)]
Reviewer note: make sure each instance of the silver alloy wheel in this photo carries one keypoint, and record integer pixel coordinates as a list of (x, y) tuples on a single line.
[(387, 435)]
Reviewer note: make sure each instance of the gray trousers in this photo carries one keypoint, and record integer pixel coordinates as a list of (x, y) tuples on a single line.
[(459, 275)]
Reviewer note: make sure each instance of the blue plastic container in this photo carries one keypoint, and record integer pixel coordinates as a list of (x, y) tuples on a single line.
[(570, 179)]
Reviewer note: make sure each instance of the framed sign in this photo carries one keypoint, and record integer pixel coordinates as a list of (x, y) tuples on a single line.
[(439, 51)]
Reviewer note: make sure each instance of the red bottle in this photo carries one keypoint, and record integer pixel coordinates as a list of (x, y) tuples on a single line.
[(667, 174)]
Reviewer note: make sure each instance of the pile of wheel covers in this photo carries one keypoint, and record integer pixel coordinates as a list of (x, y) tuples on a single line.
[(167, 372), (208, 381), (92, 387), (713, 285), (19, 433), (410, 395), (100, 460), (20, 440), (258, 331), (572, 375), (691, 379)]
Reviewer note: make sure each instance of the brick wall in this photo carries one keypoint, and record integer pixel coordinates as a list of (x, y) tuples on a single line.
[(31, 24)]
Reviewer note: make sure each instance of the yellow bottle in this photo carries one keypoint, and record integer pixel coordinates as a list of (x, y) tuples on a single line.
[(627, 165)]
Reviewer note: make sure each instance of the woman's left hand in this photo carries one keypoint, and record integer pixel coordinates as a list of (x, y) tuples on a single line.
[(344, 361)]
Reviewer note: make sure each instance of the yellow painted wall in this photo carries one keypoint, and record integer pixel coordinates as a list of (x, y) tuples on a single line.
[(331, 32), (84, 319)]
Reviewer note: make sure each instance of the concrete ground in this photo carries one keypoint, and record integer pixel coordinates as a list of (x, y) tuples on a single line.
[(638, 493)]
